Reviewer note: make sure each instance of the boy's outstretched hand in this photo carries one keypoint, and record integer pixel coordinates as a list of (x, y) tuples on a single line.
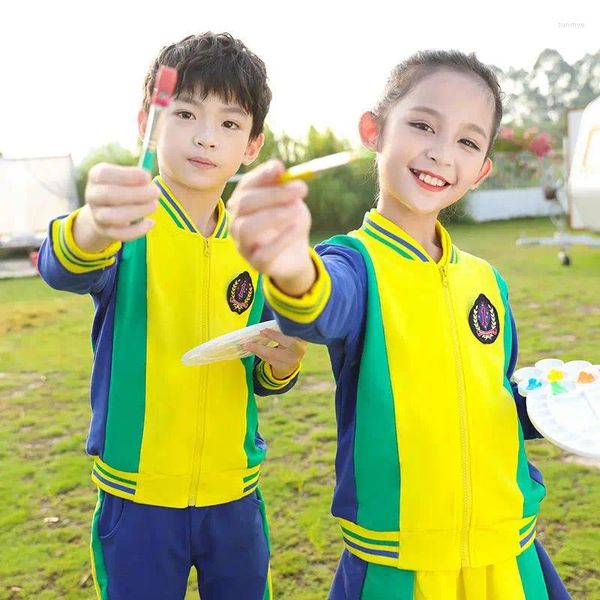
[(271, 226), (118, 200)]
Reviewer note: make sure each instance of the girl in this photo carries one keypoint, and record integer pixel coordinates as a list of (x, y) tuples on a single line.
[(434, 496)]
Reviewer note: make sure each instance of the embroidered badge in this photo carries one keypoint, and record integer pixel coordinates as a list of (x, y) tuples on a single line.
[(483, 320), (240, 293)]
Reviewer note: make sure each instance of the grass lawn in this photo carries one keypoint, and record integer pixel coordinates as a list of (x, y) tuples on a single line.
[(47, 498)]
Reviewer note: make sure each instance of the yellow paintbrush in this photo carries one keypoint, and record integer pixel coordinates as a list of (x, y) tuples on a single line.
[(310, 168)]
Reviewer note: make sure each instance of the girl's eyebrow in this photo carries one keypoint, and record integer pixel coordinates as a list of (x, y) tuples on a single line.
[(435, 113)]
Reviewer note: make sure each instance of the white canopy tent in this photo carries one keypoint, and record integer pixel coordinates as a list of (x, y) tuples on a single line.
[(32, 192)]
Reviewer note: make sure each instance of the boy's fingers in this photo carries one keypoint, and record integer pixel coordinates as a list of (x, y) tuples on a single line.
[(270, 355), (132, 232), (284, 341), (105, 173), (256, 199), (119, 195), (122, 216)]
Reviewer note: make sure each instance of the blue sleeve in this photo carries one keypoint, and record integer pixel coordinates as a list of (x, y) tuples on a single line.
[(339, 315), (62, 267), (529, 431)]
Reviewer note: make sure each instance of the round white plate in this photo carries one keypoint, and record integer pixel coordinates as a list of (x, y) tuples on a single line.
[(563, 403), (229, 346)]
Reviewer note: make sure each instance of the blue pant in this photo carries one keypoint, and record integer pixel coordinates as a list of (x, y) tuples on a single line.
[(142, 552)]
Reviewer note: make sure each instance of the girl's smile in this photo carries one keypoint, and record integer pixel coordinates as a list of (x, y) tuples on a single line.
[(429, 181)]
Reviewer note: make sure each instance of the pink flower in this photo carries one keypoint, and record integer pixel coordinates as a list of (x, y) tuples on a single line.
[(506, 133), (541, 144)]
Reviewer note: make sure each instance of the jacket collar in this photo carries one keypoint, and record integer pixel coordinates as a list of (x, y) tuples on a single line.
[(181, 218), (387, 232)]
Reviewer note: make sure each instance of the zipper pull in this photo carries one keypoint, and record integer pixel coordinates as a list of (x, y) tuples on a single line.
[(444, 274), (206, 247)]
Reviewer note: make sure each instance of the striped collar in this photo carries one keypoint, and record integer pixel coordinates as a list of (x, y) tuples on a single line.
[(385, 231), (180, 217)]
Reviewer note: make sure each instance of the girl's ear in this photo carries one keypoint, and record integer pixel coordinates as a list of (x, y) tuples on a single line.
[(369, 131), (485, 171)]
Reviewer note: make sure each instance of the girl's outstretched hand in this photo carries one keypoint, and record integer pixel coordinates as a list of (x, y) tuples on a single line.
[(271, 227)]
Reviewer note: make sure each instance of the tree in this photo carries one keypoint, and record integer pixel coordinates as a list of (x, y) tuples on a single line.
[(542, 96), (337, 199), (110, 153)]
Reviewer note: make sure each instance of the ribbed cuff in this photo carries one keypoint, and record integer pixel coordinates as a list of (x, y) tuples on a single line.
[(265, 377), (71, 256), (306, 308)]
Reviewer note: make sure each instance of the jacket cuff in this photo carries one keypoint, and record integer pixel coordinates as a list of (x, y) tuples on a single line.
[(265, 377), (71, 256), (306, 308)]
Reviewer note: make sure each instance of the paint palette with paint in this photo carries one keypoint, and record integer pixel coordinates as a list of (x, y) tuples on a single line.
[(563, 403), (230, 345)]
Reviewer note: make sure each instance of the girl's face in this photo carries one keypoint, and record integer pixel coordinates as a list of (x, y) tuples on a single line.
[(432, 147)]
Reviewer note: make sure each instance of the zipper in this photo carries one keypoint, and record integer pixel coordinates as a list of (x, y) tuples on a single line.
[(203, 382), (466, 468)]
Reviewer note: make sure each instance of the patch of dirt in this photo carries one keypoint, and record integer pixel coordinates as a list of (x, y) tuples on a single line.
[(20, 319), (25, 382), (589, 309), (314, 385)]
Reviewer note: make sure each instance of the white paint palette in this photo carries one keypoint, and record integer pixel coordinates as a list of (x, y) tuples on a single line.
[(229, 346), (563, 403)]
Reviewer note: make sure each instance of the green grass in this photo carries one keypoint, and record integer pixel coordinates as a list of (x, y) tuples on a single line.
[(47, 499)]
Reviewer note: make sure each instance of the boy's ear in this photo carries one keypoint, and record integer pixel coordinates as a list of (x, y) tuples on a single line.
[(253, 148), (142, 120), (484, 173), (369, 131)]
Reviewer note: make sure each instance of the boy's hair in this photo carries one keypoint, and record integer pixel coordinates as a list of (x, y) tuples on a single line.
[(218, 64), (422, 64)]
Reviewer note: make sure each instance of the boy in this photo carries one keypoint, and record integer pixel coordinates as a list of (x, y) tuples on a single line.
[(177, 449)]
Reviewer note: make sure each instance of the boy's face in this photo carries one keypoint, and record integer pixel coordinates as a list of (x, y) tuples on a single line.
[(203, 141), (441, 128)]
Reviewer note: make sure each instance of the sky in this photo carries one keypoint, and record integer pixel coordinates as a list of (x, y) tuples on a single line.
[(73, 71)]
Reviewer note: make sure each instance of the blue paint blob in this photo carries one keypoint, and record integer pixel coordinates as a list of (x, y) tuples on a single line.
[(534, 384)]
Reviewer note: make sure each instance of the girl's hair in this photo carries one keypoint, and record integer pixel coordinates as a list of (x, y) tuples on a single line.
[(422, 64)]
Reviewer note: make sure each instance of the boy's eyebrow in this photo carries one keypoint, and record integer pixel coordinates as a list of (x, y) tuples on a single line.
[(435, 113), (238, 110), (225, 108)]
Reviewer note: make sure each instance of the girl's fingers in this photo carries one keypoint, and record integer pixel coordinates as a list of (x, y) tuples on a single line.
[(256, 199), (266, 174), (258, 226)]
